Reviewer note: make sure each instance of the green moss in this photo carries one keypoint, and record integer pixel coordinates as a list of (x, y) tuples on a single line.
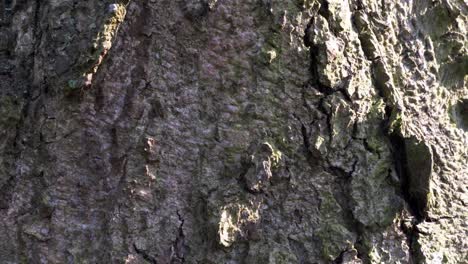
[(233, 153), (272, 46), (10, 110), (395, 122), (431, 200), (281, 257), (268, 55), (279, 141), (437, 19), (390, 213), (307, 4), (99, 43), (376, 144), (377, 109), (374, 256), (419, 167), (72, 84), (276, 155), (334, 238), (328, 204)]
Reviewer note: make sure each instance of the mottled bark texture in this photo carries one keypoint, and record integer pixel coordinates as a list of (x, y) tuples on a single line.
[(233, 131)]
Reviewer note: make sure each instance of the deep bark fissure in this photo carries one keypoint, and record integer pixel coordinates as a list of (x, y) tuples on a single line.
[(242, 180), (346, 204), (339, 259), (178, 247), (397, 142), (145, 255), (410, 231), (344, 178), (399, 157), (344, 183)]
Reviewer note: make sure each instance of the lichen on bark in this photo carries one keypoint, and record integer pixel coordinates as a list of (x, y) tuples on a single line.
[(196, 131)]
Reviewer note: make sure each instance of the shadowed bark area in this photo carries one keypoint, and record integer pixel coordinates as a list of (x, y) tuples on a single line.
[(215, 131)]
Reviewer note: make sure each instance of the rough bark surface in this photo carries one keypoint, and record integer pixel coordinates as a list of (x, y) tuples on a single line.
[(233, 131)]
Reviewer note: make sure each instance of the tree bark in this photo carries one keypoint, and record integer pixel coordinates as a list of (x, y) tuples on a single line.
[(229, 131)]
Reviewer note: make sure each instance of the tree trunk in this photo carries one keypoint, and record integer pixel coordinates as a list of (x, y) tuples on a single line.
[(233, 131)]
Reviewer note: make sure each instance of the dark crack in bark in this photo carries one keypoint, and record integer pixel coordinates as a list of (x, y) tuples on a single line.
[(179, 247), (145, 255)]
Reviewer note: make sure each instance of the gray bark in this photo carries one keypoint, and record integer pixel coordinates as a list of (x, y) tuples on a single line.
[(229, 131)]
